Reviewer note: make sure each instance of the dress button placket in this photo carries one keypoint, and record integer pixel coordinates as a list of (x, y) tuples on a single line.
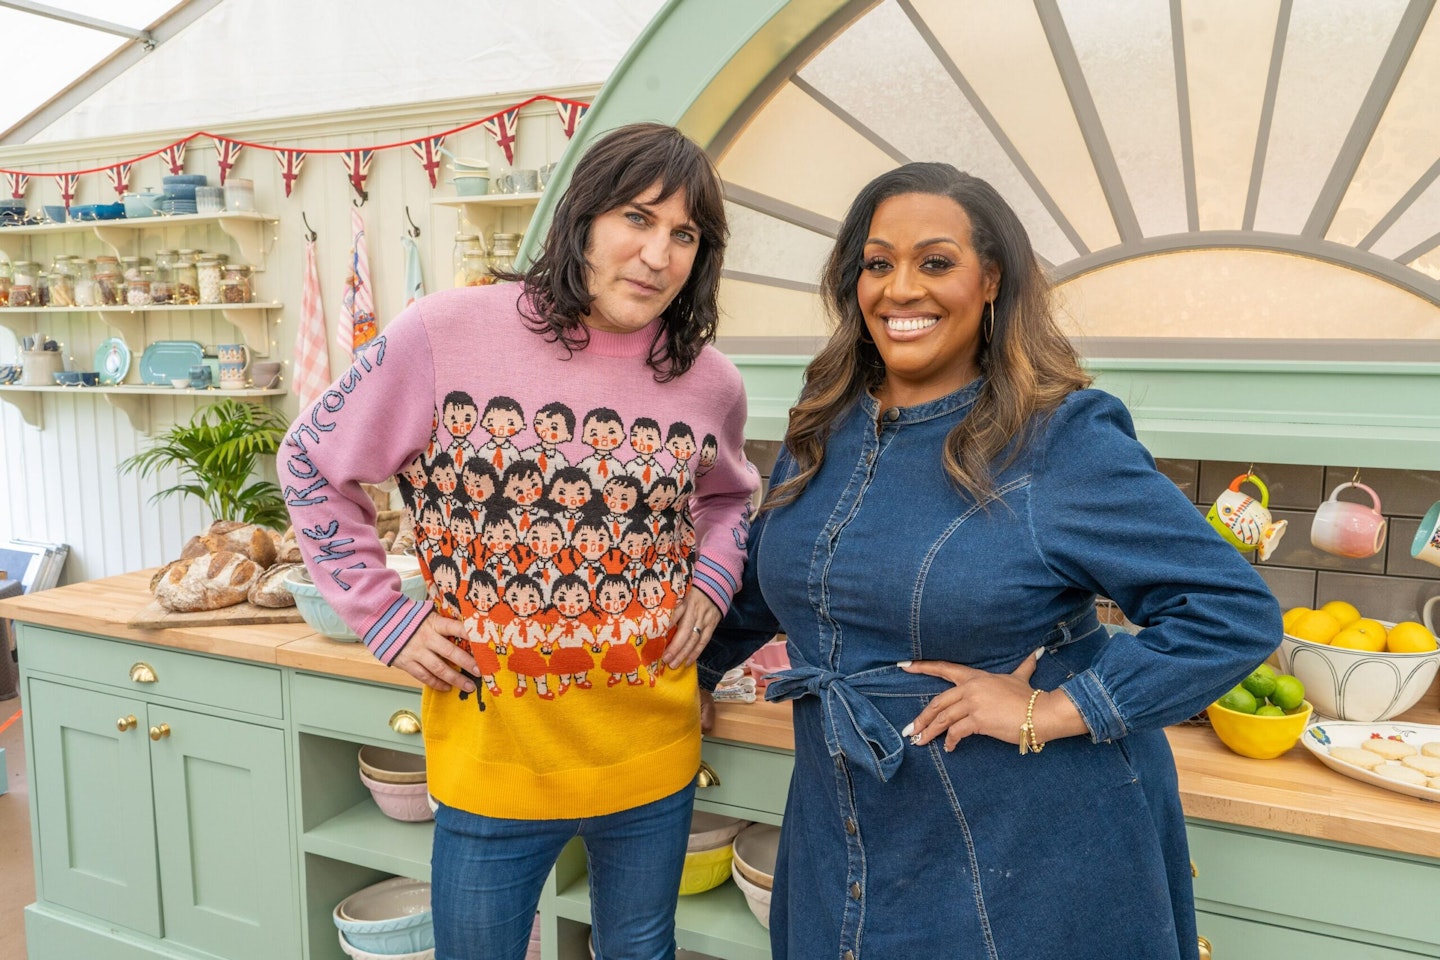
[(855, 890), (848, 955)]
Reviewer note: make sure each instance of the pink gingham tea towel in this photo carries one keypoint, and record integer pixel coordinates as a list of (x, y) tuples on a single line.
[(312, 348)]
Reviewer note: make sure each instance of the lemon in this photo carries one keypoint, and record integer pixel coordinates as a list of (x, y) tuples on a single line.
[(1317, 626), (1342, 611), (1410, 637), (1363, 634), (1238, 699), (1294, 614), (1289, 692)]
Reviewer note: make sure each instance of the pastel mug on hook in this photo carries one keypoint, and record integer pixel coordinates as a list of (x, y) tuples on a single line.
[(1245, 522), (1346, 528), (1426, 615), (1426, 545)]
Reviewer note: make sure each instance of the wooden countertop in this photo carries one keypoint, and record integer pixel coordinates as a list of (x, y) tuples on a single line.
[(1294, 794)]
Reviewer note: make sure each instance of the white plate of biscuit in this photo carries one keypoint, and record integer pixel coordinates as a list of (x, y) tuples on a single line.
[(1404, 757)]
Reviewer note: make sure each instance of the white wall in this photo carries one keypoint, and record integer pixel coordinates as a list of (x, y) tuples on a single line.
[(62, 482)]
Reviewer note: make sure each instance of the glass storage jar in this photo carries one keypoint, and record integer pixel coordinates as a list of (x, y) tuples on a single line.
[(107, 280), (62, 282), (475, 270), (22, 289), (7, 277), (42, 290), (464, 243), (131, 268), (87, 294), (185, 287), (137, 292), (242, 286), (503, 248), (163, 283), (207, 271)]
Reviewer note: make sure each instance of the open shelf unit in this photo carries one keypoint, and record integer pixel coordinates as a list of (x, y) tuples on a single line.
[(251, 319), (246, 229), (132, 400)]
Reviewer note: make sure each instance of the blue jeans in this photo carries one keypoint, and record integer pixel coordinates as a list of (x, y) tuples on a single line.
[(486, 874)]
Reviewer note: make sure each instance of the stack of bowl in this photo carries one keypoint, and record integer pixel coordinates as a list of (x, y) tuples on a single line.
[(180, 192), (397, 782), (390, 919), (708, 851), (753, 867)]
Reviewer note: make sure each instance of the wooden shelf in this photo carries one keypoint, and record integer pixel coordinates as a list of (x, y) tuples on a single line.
[(364, 835), (246, 229), (248, 318), (130, 399), (490, 200)]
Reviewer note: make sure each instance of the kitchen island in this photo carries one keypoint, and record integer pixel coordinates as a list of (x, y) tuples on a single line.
[(236, 824)]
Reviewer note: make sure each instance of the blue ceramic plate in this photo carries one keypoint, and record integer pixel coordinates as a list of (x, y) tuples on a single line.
[(166, 360), (112, 360)]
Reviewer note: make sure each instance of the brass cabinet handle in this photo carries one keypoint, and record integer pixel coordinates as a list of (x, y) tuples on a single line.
[(707, 777), (1204, 949), (142, 672), (126, 723), (405, 722), (1194, 872), (160, 732)]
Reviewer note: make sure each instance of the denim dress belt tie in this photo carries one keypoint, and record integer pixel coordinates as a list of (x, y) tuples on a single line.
[(854, 728)]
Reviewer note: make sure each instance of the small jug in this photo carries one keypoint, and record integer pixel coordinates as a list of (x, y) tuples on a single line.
[(1244, 521), (234, 364), (1349, 529)]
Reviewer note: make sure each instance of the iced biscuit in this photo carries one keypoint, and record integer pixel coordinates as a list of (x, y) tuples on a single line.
[(1430, 766), (1357, 757), (1431, 749), (1394, 771), (1389, 749), (1435, 783)]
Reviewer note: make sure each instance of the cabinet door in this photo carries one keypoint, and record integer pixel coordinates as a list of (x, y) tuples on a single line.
[(95, 829), (222, 822), (1232, 937)]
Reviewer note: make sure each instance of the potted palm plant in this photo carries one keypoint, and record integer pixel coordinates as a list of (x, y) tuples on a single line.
[(216, 454)]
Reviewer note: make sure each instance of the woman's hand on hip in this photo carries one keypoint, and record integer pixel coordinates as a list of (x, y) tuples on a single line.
[(433, 655), (694, 620), (990, 704)]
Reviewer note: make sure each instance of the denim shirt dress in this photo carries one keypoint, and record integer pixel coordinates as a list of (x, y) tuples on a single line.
[(895, 852)]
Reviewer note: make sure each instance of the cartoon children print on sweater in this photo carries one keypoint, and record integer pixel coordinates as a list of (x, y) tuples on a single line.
[(545, 540), (554, 424), (680, 441), (621, 496), (572, 491), (524, 486), (654, 623), (497, 541), (709, 453), (659, 500), (458, 415), (502, 419), (602, 431), (480, 481), (524, 636), (481, 597), (616, 631), (645, 441), (570, 636)]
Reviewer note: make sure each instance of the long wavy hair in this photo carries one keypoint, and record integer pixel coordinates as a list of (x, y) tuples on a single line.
[(1028, 364), (616, 169)]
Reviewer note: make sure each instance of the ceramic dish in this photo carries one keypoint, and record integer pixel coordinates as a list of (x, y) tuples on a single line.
[(1320, 737), (166, 360), (711, 830), (756, 849), (354, 951), (386, 900), (112, 360), (392, 766)]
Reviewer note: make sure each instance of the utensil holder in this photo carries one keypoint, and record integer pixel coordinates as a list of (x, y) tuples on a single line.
[(40, 367)]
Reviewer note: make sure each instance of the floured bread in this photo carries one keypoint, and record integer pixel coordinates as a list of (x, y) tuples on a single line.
[(268, 590), (1389, 749), (1430, 766), (246, 539), (210, 581), (1357, 757), (1394, 771)]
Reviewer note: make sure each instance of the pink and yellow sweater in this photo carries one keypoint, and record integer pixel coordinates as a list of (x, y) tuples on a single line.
[(562, 506)]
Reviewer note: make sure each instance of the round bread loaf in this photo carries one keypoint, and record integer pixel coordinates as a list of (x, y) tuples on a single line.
[(268, 590), (211, 581), (246, 539)]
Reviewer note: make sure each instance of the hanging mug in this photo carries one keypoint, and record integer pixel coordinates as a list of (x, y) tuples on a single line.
[(1426, 545), (1430, 624), (1349, 529), (1245, 522)]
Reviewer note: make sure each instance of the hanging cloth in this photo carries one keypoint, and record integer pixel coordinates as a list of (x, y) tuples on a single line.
[(357, 321), (312, 348), (414, 279)]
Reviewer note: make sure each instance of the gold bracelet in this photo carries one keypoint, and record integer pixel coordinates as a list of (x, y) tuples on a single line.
[(1029, 743)]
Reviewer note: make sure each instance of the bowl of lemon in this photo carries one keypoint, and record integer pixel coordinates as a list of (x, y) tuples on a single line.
[(1355, 667)]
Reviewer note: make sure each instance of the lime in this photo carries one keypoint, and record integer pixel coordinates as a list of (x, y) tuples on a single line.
[(1269, 710), (1289, 692), (1261, 683), (1238, 699)]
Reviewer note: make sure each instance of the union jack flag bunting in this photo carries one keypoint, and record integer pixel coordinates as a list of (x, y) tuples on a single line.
[(290, 163), (571, 113), (67, 183), (357, 165), (227, 151), (173, 157), (119, 177), (502, 128), (428, 152), (18, 183)]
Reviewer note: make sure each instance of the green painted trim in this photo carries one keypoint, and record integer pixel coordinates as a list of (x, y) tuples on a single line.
[(1306, 412)]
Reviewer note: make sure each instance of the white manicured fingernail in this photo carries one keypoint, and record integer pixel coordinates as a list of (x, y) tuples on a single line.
[(903, 664), (909, 729), (1040, 652)]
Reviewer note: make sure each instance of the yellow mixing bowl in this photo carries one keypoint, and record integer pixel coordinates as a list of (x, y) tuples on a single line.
[(706, 869), (1262, 738)]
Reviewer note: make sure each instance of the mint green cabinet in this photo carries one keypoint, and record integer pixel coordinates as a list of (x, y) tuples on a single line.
[(161, 827)]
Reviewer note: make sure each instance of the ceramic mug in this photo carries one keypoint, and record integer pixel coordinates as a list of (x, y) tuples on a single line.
[(265, 373), (1245, 522), (1426, 545), (1349, 529), (1426, 615), (200, 376)]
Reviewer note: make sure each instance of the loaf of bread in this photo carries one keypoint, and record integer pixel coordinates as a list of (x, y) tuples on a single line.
[(246, 539), (210, 581), (268, 590)]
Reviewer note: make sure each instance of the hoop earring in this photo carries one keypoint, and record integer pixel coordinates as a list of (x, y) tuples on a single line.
[(990, 323)]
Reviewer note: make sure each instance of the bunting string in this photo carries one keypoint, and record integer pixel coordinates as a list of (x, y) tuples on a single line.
[(501, 126)]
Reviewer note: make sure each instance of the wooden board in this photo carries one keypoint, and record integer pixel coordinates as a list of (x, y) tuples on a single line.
[(241, 614)]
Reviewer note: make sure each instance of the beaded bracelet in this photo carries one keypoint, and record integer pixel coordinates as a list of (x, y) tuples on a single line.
[(1029, 743)]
